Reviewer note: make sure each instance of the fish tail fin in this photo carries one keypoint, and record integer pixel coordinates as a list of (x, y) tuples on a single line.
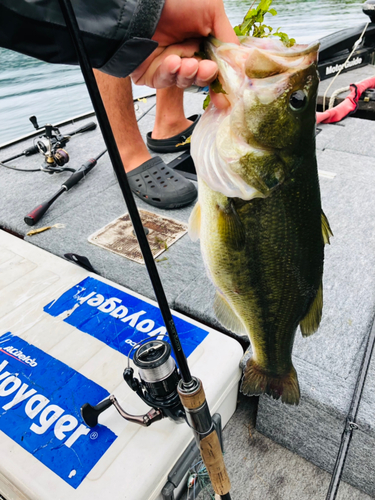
[(256, 381)]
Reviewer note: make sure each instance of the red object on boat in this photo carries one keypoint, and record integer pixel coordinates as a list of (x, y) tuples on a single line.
[(348, 105)]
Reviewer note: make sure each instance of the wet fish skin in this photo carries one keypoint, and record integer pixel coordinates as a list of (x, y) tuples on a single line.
[(259, 213)]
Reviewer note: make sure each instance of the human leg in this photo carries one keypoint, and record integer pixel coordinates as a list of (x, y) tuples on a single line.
[(170, 116), (171, 129), (149, 178), (117, 97)]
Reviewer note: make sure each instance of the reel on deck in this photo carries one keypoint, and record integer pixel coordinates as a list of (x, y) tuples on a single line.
[(51, 146), (52, 149)]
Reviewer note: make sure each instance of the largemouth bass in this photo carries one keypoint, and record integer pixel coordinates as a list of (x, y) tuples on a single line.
[(259, 215)]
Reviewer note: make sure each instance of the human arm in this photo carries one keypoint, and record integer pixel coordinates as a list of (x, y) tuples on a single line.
[(117, 33), (180, 30)]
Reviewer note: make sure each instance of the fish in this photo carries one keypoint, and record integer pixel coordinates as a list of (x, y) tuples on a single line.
[(259, 218)]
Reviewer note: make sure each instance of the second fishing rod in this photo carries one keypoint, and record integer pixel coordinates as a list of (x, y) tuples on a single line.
[(37, 213)]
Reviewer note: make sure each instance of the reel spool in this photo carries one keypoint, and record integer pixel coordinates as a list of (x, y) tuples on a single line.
[(55, 157), (156, 369)]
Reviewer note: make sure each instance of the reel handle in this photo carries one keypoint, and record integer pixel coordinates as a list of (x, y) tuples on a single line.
[(34, 122), (90, 413)]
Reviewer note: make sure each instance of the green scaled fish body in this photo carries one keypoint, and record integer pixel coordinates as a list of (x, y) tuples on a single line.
[(259, 215)]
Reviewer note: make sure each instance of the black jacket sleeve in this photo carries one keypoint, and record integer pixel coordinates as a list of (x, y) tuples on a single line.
[(117, 33)]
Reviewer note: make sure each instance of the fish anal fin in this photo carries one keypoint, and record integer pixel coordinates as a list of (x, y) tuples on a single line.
[(194, 226), (326, 230), (256, 381), (311, 321), (226, 316)]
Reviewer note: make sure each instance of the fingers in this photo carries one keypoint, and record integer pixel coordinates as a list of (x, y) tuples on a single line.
[(174, 65), (194, 72), (220, 101), (185, 76), (207, 72)]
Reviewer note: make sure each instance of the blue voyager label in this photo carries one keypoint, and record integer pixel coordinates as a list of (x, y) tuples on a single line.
[(118, 318), (40, 401)]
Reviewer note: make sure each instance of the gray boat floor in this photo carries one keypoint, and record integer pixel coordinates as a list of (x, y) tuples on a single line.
[(258, 468)]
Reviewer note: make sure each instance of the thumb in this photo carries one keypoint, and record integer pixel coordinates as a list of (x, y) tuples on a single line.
[(222, 29)]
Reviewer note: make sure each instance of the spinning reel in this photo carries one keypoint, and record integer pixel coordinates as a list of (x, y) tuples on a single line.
[(55, 157), (157, 386), (51, 146)]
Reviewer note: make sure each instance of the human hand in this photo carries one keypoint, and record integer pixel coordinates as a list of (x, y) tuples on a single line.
[(180, 30)]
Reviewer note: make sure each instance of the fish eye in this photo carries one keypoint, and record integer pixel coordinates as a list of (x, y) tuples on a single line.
[(298, 100)]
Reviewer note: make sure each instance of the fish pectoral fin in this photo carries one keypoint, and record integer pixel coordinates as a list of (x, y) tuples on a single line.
[(226, 316), (230, 227), (326, 230), (194, 227), (311, 321)]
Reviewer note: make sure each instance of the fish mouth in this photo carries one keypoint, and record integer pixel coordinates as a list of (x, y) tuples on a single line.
[(257, 59), (270, 45), (276, 47)]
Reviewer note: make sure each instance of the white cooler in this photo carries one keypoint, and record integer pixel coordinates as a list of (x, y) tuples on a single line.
[(65, 336)]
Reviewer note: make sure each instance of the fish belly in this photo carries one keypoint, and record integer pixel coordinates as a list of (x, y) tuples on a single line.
[(265, 258)]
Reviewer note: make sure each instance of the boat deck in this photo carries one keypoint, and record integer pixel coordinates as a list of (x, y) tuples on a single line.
[(259, 468)]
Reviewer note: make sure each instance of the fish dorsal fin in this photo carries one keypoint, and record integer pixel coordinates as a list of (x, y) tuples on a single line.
[(326, 230), (311, 321), (262, 65), (194, 227), (226, 316)]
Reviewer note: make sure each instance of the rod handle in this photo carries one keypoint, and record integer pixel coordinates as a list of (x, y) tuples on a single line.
[(213, 459), (195, 404), (85, 128), (37, 213), (32, 150), (79, 174)]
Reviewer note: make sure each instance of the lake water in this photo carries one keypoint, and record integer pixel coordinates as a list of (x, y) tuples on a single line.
[(56, 92)]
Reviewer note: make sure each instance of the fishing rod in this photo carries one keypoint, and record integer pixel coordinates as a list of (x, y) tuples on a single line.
[(37, 213), (350, 421), (189, 389)]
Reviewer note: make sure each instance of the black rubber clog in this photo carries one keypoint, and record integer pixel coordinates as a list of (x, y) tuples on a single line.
[(160, 186), (170, 145)]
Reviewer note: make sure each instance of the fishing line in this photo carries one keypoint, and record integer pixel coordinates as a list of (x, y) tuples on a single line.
[(12, 167)]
